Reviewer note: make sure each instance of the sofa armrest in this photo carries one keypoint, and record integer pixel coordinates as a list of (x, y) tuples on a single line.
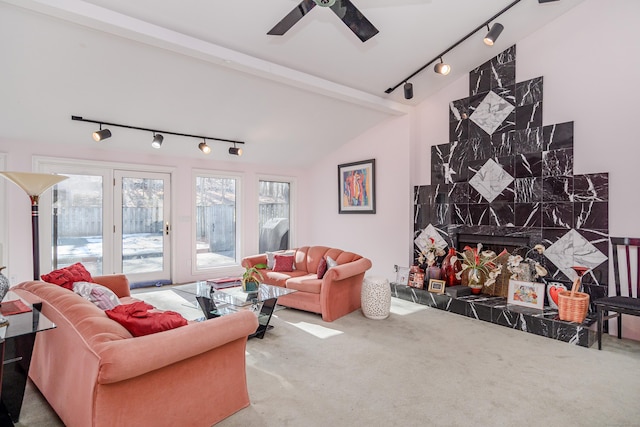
[(346, 270), (128, 358), (118, 283), (250, 261)]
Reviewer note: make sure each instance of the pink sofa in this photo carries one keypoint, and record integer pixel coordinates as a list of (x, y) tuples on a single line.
[(94, 373), (333, 296)]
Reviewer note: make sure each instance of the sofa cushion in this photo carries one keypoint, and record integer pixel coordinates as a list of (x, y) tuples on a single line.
[(331, 262), (283, 263), (280, 278), (139, 320), (322, 268), (67, 276), (307, 283), (101, 296)]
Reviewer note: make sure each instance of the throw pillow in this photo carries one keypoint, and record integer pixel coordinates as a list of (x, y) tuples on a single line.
[(67, 276), (331, 263), (322, 268), (283, 263), (101, 296), (271, 260), (139, 320)]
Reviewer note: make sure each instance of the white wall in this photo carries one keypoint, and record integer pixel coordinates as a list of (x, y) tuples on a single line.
[(384, 237), (590, 61)]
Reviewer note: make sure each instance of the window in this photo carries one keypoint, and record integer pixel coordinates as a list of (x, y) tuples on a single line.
[(216, 225), (274, 215)]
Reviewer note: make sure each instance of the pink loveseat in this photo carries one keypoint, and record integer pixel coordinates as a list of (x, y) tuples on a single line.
[(333, 296), (94, 373)]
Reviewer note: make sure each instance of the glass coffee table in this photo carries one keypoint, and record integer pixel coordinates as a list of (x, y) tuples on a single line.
[(219, 302)]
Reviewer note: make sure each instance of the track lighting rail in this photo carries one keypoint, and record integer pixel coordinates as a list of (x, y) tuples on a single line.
[(453, 46)]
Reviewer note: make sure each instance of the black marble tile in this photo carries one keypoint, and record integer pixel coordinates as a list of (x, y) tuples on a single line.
[(458, 130), (527, 190), (439, 193), (529, 116), (479, 148), (528, 165), (506, 56), (507, 163), (557, 189), (557, 215), (480, 79), (528, 140), (501, 144), (572, 334), (528, 214), (421, 216), (457, 306), (557, 163), (479, 311), (458, 169), (439, 157), (591, 215), (459, 193), (508, 124), (501, 214), (459, 110), (479, 213), (537, 325), (460, 213), (421, 194), (442, 214), (529, 91), (508, 93), (507, 318), (591, 187), (503, 74), (558, 136)]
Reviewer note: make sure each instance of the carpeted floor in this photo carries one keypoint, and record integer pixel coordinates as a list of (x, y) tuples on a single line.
[(423, 367)]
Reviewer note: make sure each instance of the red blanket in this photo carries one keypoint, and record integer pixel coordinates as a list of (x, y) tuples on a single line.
[(139, 320)]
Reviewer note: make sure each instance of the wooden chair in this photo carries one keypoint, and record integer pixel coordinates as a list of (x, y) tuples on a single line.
[(629, 274)]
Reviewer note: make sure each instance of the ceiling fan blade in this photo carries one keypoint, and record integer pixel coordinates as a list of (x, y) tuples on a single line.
[(294, 16), (354, 19)]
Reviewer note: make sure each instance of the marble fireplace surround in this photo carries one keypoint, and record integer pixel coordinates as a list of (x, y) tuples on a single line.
[(505, 175)]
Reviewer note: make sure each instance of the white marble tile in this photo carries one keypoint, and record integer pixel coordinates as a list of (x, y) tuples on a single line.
[(491, 112), (490, 180), (574, 250)]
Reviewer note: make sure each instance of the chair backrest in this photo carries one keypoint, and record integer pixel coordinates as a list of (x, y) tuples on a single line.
[(626, 265)]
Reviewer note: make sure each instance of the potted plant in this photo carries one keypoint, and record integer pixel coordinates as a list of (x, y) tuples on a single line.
[(479, 267), (251, 277)]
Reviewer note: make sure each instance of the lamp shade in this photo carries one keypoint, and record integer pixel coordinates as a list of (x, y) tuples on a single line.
[(34, 184)]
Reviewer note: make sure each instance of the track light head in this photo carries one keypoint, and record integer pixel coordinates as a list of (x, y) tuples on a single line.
[(235, 151), (325, 3), (204, 147), (101, 134), (157, 140), (442, 68), (493, 34), (408, 90)]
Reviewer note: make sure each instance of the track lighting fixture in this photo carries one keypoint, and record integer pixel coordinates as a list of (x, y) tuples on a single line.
[(101, 134), (493, 34), (408, 90), (442, 68), (204, 147), (157, 140), (235, 150)]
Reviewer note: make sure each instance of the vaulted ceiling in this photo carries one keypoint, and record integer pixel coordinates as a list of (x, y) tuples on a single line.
[(210, 68)]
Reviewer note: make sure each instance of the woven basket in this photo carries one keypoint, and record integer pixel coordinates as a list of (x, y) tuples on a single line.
[(573, 305)]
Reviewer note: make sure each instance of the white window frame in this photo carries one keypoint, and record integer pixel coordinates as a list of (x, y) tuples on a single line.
[(227, 270)]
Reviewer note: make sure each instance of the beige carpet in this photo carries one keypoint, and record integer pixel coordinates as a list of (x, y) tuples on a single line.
[(424, 367)]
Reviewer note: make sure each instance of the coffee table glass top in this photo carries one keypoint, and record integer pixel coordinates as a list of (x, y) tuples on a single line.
[(230, 300)]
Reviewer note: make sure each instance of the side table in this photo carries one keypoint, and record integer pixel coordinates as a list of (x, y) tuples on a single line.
[(376, 298)]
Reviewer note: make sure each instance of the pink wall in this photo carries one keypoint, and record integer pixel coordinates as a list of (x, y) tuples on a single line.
[(385, 237), (590, 64)]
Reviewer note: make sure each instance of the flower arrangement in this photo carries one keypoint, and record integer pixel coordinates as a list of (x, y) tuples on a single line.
[(524, 267), (430, 253), (477, 263)]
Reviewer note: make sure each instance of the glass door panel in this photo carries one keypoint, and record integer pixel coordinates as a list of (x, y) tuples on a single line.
[(274, 215)]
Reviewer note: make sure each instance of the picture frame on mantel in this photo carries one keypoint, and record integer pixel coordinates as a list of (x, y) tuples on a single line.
[(357, 187), (436, 286), (526, 294)]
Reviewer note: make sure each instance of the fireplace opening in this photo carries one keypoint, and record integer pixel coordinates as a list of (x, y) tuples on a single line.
[(492, 243)]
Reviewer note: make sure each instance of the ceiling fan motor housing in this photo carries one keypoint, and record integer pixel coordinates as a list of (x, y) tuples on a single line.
[(325, 3)]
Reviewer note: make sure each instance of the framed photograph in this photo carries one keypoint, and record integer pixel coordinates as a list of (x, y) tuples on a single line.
[(357, 187), (436, 286), (526, 294), (402, 275)]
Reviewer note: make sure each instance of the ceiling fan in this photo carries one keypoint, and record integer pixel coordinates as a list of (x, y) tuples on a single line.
[(345, 10)]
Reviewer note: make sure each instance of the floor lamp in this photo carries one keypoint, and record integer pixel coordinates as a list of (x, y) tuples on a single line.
[(34, 184)]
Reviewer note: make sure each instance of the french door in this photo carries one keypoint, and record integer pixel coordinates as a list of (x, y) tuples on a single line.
[(142, 228), (112, 221)]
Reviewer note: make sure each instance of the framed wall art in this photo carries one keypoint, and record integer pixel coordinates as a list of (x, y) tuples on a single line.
[(436, 286), (526, 294), (357, 187)]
